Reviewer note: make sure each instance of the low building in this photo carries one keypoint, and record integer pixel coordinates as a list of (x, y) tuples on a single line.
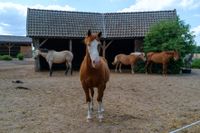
[(12, 45)]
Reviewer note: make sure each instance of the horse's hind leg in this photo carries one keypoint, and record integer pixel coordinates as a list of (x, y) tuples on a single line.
[(50, 69), (132, 68), (67, 68), (120, 67), (70, 67)]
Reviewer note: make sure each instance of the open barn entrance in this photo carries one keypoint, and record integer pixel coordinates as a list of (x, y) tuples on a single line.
[(78, 50), (57, 45), (125, 46)]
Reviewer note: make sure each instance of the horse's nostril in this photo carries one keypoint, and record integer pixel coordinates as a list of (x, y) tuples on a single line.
[(93, 62)]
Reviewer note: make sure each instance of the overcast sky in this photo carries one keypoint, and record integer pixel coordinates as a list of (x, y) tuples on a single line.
[(13, 12)]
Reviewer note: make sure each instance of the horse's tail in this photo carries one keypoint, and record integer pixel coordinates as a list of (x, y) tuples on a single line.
[(115, 61)]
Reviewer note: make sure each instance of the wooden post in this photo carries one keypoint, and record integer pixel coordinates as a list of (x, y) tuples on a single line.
[(70, 45), (36, 44), (104, 47), (9, 46)]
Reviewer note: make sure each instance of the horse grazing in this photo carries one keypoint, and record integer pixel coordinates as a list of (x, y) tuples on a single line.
[(57, 57), (130, 59), (94, 72), (161, 58)]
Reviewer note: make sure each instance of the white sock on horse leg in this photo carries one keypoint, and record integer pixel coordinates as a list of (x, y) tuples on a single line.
[(100, 113), (102, 108), (89, 115)]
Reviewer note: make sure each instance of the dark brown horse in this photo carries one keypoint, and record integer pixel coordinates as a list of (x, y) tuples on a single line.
[(161, 58), (94, 72)]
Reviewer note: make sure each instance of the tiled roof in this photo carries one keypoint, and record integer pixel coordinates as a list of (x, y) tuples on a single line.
[(65, 24), (15, 39)]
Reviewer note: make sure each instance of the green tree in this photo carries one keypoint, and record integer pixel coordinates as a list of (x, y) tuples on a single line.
[(170, 35), (197, 50)]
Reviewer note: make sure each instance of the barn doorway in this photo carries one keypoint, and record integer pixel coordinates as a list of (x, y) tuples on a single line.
[(125, 46), (78, 50)]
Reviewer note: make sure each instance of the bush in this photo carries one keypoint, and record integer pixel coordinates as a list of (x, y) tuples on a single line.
[(196, 63), (5, 57), (139, 67), (20, 56)]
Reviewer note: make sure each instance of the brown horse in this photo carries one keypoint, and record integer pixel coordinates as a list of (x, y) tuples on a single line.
[(94, 72), (130, 59), (161, 58)]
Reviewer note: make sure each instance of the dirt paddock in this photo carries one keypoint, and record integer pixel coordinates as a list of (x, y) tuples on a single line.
[(137, 103)]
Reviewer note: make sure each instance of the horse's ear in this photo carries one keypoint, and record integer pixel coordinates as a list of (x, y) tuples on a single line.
[(99, 34), (89, 33)]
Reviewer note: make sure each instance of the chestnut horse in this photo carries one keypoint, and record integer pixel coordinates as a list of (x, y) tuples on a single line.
[(94, 72), (161, 58), (130, 59)]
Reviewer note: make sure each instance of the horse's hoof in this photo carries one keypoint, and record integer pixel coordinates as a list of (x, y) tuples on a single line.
[(101, 119), (89, 119)]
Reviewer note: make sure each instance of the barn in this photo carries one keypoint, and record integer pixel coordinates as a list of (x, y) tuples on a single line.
[(12, 45), (60, 30)]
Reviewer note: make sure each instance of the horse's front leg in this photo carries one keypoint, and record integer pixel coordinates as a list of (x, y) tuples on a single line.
[(88, 100), (100, 103), (150, 68), (92, 95), (164, 69), (146, 67)]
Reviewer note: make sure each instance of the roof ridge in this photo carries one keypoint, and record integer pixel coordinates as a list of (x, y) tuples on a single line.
[(49, 10)]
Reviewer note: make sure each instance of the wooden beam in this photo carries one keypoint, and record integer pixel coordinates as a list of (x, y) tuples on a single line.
[(43, 42), (36, 44), (70, 45)]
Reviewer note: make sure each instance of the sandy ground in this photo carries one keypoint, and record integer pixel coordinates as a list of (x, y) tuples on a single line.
[(133, 103)]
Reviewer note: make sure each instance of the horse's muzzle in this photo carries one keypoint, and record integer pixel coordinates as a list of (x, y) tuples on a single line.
[(95, 63)]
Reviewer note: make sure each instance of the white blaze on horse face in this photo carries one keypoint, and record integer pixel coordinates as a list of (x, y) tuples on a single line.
[(93, 51)]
